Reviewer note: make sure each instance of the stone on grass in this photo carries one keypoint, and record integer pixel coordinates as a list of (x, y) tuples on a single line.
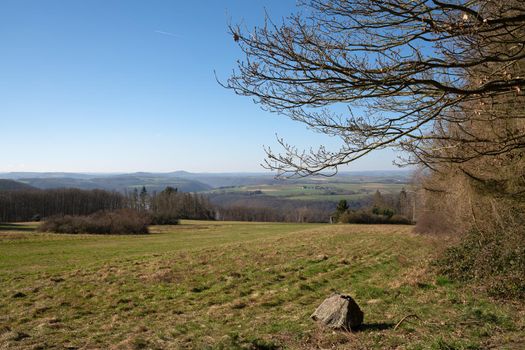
[(339, 312)]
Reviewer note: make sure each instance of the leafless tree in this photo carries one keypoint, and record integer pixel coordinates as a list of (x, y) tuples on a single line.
[(25, 205), (442, 80)]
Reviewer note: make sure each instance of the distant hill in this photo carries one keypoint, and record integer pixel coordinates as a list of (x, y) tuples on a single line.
[(189, 182), (21, 175), (12, 185), (228, 179), (118, 183), (184, 181)]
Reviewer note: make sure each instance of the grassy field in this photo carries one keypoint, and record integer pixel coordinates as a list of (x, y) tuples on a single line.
[(332, 191), (211, 285)]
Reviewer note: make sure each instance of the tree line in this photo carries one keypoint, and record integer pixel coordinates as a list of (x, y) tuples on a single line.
[(168, 205), (396, 208), (27, 205), (282, 213), (243, 207)]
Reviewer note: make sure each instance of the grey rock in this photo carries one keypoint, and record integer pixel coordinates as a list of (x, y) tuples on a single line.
[(340, 312)]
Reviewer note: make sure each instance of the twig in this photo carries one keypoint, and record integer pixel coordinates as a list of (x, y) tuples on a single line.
[(404, 318)]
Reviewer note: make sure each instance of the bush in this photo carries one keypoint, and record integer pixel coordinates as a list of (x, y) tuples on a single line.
[(123, 221), (495, 260), (164, 219), (367, 217)]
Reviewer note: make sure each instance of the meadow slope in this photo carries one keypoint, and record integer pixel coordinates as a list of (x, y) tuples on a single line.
[(227, 285)]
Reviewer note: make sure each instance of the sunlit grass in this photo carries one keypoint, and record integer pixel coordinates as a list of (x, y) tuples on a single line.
[(237, 285)]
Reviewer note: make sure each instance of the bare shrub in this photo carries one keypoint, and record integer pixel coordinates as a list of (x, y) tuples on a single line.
[(164, 219), (123, 221), (367, 217)]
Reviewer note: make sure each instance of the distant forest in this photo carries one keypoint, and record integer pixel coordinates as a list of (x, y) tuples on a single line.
[(23, 203), (34, 204)]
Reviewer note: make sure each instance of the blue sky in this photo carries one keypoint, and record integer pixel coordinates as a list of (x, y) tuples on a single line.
[(118, 86)]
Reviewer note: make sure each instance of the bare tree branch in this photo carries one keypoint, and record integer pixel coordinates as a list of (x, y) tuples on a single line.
[(412, 74)]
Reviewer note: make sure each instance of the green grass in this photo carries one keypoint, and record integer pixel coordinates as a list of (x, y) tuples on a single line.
[(53, 252), (237, 286)]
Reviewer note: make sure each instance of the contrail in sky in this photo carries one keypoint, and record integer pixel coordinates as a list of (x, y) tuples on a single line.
[(167, 33)]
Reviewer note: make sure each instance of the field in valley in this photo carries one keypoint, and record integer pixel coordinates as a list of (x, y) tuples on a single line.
[(308, 191), (228, 285)]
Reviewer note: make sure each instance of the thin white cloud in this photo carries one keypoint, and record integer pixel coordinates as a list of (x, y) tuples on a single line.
[(167, 33)]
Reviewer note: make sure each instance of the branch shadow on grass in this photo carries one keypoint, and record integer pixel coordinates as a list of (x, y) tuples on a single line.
[(16, 227), (376, 326)]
